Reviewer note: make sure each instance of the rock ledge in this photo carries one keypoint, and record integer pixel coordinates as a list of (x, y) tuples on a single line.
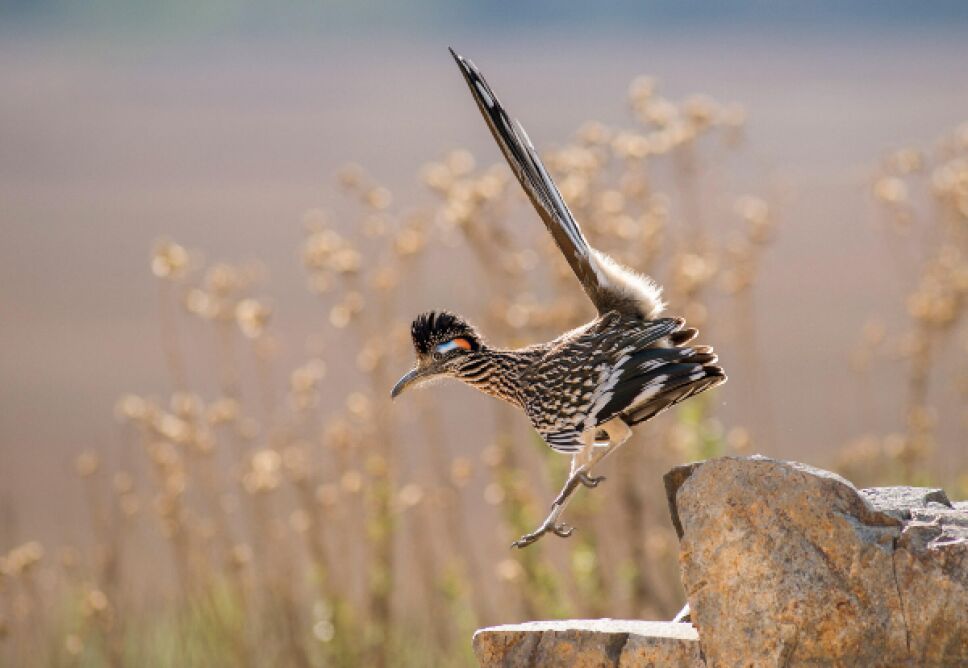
[(597, 642)]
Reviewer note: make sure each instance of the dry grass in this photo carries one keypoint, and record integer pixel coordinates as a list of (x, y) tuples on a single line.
[(315, 525), (924, 200)]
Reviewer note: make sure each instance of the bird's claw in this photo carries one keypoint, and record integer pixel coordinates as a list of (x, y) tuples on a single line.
[(559, 529), (563, 530), (590, 481), (579, 477), (551, 523), (524, 541)]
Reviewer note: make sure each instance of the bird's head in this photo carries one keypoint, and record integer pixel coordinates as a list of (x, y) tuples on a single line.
[(443, 342)]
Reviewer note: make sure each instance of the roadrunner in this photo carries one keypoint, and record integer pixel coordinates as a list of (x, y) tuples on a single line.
[(584, 390)]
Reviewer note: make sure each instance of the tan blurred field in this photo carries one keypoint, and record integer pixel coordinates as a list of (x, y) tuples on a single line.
[(205, 308)]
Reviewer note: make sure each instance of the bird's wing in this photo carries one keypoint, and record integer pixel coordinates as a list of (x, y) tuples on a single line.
[(650, 380), (603, 280), (634, 373), (586, 378)]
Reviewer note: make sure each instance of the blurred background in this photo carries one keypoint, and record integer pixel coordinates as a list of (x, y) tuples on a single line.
[(218, 220)]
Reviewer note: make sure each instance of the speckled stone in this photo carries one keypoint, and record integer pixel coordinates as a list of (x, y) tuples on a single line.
[(588, 643), (784, 564)]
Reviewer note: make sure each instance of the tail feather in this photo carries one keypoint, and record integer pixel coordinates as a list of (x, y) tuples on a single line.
[(683, 336), (674, 390), (623, 290), (531, 173), (609, 285)]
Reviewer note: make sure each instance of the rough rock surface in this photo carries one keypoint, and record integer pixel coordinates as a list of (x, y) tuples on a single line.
[(784, 564), (588, 643)]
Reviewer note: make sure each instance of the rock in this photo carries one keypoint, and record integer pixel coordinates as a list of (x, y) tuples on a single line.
[(784, 564), (587, 643), (931, 567), (898, 502)]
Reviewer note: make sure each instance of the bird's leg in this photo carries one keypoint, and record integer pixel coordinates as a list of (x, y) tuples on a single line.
[(551, 522), (579, 469), (618, 433)]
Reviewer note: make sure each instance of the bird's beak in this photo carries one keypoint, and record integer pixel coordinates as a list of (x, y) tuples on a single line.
[(408, 379)]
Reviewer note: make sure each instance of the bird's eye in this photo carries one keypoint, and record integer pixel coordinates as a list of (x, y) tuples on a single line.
[(453, 344)]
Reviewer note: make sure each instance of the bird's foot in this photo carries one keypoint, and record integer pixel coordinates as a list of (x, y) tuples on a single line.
[(579, 477), (590, 480), (550, 525)]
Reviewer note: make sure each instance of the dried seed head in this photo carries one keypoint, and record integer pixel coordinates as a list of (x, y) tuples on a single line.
[(460, 162), (891, 190), (186, 405), (509, 570), (264, 472), (409, 241), (494, 494), (377, 466), (168, 260), (360, 406), (222, 279), (701, 111), (340, 316), (23, 558), (222, 411), (252, 317), (87, 464), (173, 428), (351, 482), (130, 407), (379, 198), (461, 470), (739, 440), (96, 603), (641, 89), (352, 176), (437, 176), (594, 133), (410, 495), (73, 644)]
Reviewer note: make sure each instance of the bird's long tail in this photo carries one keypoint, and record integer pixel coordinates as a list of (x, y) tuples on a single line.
[(609, 285)]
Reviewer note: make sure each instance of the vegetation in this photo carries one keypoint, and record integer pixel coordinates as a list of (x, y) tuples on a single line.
[(317, 525)]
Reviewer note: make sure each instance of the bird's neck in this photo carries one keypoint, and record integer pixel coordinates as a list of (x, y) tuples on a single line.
[(497, 372)]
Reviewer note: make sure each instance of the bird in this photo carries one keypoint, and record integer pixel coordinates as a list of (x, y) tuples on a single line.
[(585, 390)]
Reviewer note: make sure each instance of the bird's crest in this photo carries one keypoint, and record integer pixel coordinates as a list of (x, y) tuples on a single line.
[(435, 327)]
